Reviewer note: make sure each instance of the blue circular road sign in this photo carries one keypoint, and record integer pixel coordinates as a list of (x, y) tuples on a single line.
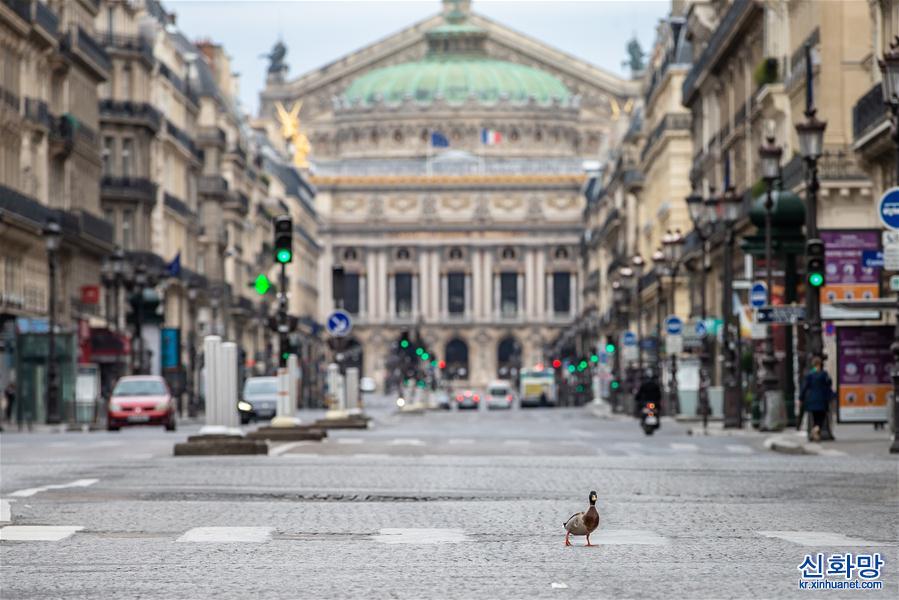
[(758, 295), (888, 209), (673, 325), (339, 323), (629, 339), (701, 329)]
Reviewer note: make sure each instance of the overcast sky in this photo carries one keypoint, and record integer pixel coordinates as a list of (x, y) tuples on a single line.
[(317, 32)]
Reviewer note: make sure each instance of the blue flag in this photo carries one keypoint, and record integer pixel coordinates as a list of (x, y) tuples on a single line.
[(173, 269), (438, 140)]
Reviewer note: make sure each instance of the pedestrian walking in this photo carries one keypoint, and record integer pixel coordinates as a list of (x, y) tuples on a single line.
[(815, 396)]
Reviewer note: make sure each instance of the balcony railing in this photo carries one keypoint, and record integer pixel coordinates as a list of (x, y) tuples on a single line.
[(869, 112), (36, 111), (74, 223), (182, 137), (136, 188), (127, 109), (212, 185), (212, 135), (722, 32), (178, 205), (44, 17), (68, 129), (670, 122), (833, 165), (82, 43), (9, 98), (131, 43), (178, 83)]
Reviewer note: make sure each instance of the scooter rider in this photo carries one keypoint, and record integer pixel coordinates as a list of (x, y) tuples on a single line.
[(648, 393)]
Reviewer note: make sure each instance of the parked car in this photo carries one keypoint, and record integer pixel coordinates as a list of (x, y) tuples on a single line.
[(500, 395), (140, 400), (259, 399), (367, 385), (467, 399)]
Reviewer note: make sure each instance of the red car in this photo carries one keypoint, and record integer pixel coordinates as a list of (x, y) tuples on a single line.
[(141, 400)]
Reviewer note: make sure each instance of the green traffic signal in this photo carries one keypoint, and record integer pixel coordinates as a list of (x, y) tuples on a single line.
[(425, 356), (283, 256), (262, 284), (285, 355), (404, 344), (610, 348), (615, 385), (816, 279), (433, 363), (419, 351), (571, 368), (582, 365), (594, 358)]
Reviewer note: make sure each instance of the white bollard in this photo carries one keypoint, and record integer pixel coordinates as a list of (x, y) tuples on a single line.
[(229, 376), (287, 395), (352, 389), (293, 367), (211, 348), (336, 392)]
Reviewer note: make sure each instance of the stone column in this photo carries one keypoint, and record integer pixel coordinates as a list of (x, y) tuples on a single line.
[(373, 284), (444, 306), (529, 283), (572, 306), (488, 309), (476, 282), (468, 296), (391, 296), (519, 294), (540, 284), (435, 283), (424, 281), (383, 286)]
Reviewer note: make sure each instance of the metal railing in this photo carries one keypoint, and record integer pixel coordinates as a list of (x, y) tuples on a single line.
[(36, 110), (672, 122), (44, 17), (212, 184), (132, 110), (93, 50), (713, 48), (132, 187), (868, 112), (132, 43), (211, 135), (178, 205), (182, 137), (9, 98)]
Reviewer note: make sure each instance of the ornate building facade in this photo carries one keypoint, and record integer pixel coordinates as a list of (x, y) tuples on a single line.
[(448, 160)]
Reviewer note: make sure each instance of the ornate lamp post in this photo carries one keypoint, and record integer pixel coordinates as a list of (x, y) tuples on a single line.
[(733, 403), (889, 68), (629, 283), (659, 265), (770, 154), (52, 237), (619, 299), (704, 214), (672, 246), (638, 264)]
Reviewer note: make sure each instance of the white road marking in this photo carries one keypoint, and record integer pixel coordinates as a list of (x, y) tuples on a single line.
[(421, 536), (517, 442), (461, 441), (282, 448), (371, 455), (349, 440), (406, 442), (32, 491), (682, 447), (254, 535), (5, 511), (821, 538), (37, 533), (739, 449), (558, 586), (636, 537)]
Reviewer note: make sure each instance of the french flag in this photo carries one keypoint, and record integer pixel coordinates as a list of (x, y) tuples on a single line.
[(490, 137)]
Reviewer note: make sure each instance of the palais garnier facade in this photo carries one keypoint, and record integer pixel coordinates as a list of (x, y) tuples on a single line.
[(449, 160)]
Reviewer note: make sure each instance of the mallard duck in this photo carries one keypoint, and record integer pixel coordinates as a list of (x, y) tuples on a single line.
[(583, 523)]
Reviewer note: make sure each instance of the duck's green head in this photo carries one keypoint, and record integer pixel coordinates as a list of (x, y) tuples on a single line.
[(592, 498)]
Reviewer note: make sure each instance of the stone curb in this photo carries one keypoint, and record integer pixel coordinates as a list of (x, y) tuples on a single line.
[(784, 445)]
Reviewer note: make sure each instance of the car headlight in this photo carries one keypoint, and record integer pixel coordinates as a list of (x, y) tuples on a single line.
[(163, 405), (244, 406)]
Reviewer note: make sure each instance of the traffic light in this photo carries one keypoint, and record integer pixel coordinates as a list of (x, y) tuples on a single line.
[(610, 345), (571, 368), (557, 364), (283, 239), (814, 263), (262, 284), (615, 385), (594, 358), (441, 364)]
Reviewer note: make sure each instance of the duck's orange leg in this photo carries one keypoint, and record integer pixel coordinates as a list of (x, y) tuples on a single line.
[(588, 540), (567, 541)]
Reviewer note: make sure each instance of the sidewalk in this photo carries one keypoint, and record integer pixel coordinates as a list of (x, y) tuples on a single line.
[(79, 427), (854, 440)]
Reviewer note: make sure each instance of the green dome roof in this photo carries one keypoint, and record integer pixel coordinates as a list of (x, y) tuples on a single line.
[(456, 78)]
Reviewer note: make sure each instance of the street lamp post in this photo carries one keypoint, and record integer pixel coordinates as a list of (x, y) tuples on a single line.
[(140, 283), (629, 285), (52, 237), (637, 264), (889, 68), (733, 403), (192, 294), (704, 215), (658, 262), (770, 154), (672, 246), (619, 300)]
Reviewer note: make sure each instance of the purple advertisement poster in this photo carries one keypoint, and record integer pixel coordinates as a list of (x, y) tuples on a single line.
[(847, 276), (864, 364)]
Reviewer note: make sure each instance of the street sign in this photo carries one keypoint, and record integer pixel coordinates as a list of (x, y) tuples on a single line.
[(894, 283), (758, 295), (339, 323), (890, 241), (781, 314), (629, 338), (673, 325), (888, 209), (701, 329), (872, 258), (674, 344)]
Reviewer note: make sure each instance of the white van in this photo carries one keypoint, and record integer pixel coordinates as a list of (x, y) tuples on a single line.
[(500, 394)]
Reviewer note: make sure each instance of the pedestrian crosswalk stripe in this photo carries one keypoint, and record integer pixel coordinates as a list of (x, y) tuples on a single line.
[(349, 440), (227, 534), (517, 442), (821, 538), (680, 447), (5, 512), (739, 449), (636, 537), (420, 536), (37, 533), (461, 441), (32, 491), (406, 442)]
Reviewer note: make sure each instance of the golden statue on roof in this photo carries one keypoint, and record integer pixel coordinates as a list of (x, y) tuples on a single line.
[(290, 129)]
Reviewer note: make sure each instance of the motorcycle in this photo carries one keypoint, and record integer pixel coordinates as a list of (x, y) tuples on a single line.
[(649, 418)]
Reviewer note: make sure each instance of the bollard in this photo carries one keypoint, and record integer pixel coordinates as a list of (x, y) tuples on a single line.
[(293, 366), (229, 371), (211, 348), (351, 394)]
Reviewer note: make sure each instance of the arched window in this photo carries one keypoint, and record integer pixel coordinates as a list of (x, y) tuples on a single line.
[(508, 253), (350, 254), (508, 358), (456, 353), (402, 254), (561, 253), (455, 253)]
